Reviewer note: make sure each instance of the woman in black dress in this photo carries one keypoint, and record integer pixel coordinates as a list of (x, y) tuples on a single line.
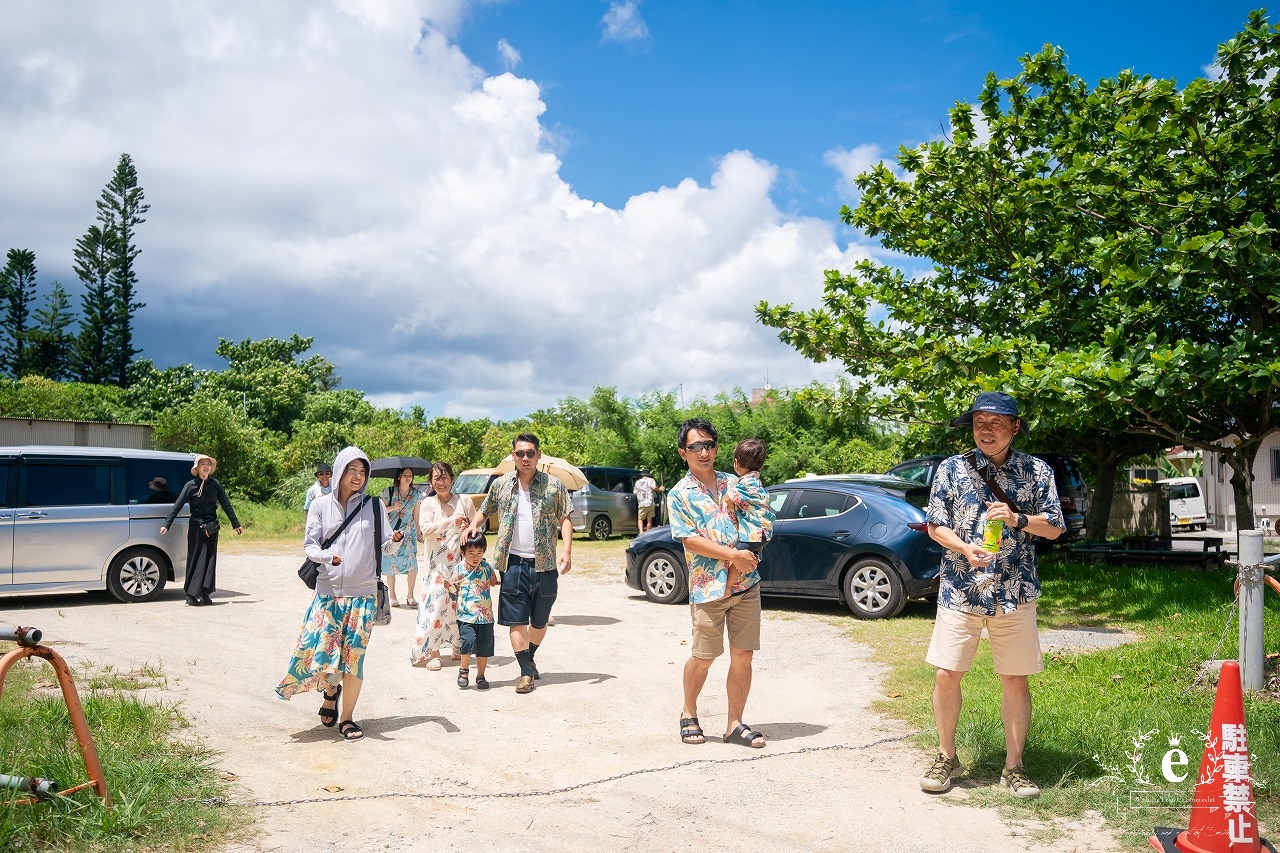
[(204, 494)]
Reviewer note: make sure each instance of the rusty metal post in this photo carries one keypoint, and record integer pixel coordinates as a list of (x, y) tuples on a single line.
[(69, 695)]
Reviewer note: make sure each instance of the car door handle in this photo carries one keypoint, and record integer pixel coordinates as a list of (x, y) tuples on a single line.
[(840, 534), (32, 514)]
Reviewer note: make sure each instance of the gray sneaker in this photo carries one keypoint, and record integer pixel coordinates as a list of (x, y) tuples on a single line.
[(1018, 783), (937, 779)]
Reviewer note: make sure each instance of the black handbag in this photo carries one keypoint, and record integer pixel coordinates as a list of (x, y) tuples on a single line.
[(210, 527), (383, 614), (309, 571)]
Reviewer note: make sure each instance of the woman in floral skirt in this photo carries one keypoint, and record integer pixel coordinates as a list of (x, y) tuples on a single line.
[(442, 519)]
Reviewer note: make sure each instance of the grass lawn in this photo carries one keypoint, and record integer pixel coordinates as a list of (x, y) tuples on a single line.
[(156, 776), (1103, 720)]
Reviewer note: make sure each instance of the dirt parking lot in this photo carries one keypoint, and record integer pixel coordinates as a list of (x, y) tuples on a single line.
[(590, 760)]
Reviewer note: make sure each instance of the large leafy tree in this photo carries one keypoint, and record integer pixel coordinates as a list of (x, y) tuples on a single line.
[(120, 210), (1105, 253), (269, 379), (18, 293)]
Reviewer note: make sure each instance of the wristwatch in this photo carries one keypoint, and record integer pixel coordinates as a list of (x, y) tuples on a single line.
[(1022, 522)]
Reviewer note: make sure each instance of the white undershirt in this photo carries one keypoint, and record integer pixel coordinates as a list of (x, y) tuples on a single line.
[(522, 540)]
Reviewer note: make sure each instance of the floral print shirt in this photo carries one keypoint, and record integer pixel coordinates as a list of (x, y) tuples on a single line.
[(958, 502), (550, 501), (474, 605), (643, 490), (694, 511), (750, 501)]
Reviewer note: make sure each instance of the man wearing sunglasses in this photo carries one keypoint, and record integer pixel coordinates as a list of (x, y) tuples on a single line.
[(532, 506), (708, 530)]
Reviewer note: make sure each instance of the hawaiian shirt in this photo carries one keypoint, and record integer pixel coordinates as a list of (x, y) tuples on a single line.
[(750, 501), (550, 503), (474, 604), (644, 491), (958, 502), (694, 511)]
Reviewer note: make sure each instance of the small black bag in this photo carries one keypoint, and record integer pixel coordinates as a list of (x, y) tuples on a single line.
[(309, 571), (210, 527)]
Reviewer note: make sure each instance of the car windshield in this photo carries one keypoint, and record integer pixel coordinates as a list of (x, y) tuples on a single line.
[(1182, 491), (471, 484)]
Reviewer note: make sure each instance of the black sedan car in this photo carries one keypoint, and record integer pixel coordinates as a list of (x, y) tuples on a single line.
[(857, 539)]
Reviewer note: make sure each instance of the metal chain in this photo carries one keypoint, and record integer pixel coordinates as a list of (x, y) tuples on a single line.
[(222, 801), (1205, 667)]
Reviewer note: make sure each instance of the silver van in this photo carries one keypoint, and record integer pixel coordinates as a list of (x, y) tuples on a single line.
[(606, 504), (83, 518)]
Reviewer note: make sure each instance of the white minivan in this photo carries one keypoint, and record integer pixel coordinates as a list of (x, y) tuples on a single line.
[(81, 518), (1186, 504)]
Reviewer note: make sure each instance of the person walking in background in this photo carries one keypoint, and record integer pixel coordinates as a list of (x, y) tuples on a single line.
[(472, 579), (329, 655), (708, 530), (644, 490), (320, 487), (404, 503), (533, 506), (749, 501), (992, 589), (204, 494), (442, 517)]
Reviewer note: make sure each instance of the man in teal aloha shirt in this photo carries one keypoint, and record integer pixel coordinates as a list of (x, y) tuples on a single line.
[(532, 506), (708, 529)]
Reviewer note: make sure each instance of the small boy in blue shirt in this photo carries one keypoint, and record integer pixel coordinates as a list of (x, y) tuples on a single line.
[(472, 579), (749, 501)]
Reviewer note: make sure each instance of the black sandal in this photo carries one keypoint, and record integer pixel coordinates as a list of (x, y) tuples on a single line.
[(689, 728), (462, 678), (347, 727), (329, 716), (744, 735)]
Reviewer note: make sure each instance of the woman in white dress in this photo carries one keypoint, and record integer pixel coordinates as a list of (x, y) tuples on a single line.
[(443, 516)]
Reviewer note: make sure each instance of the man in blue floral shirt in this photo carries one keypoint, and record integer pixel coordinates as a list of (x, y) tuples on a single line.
[(992, 590)]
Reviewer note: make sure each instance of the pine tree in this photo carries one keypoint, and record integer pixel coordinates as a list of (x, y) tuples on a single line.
[(120, 211), (49, 344), (92, 264), (18, 287)]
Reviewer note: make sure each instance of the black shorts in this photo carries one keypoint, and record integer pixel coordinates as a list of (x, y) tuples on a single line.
[(477, 638), (526, 596)]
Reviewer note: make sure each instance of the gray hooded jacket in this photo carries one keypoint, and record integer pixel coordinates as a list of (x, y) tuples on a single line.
[(356, 574)]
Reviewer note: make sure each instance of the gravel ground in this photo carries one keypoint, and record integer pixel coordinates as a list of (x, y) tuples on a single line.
[(590, 760)]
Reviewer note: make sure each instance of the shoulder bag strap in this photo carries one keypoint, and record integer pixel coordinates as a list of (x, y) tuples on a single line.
[(985, 473), (343, 526), (377, 540)]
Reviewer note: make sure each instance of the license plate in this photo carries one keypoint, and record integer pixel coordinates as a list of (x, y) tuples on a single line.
[(1184, 521)]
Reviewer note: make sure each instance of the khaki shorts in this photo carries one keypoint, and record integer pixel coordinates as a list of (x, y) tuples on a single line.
[(646, 512), (1015, 642), (740, 612)]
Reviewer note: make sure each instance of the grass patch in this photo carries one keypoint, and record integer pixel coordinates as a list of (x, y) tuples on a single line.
[(155, 775), (1102, 720), (270, 522)]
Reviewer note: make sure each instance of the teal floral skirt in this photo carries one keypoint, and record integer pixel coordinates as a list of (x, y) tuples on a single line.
[(333, 640)]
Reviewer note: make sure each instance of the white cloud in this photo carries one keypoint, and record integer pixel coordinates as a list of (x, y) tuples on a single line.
[(852, 162), (342, 170), (509, 55), (622, 23)]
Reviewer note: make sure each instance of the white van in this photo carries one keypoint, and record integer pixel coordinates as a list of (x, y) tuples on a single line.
[(81, 518), (1186, 503)]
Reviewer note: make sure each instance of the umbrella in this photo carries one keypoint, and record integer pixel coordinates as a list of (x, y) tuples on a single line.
[(389, 466), (566, 472)]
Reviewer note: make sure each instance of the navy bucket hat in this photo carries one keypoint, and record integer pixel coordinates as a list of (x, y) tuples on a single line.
[(995, 402)]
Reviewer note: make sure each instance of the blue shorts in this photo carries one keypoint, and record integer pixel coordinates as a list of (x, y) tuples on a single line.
[(526, 596), (477, 638)]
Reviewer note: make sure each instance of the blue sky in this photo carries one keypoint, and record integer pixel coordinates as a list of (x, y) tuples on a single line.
[(480, 206)]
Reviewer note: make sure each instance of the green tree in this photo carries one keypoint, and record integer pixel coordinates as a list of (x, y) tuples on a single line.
[(38, 397), (269, 379), (120, 210), (1098, 252), (247, 460), (18, 291), (51, 347), (92, 265)]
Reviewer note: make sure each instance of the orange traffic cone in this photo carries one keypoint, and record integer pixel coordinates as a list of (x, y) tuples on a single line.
[(1223, 817)]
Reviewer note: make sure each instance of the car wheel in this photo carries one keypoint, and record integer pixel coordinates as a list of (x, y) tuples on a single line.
[(136, 575), (663, 578), (873, 590), (601, 528)]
